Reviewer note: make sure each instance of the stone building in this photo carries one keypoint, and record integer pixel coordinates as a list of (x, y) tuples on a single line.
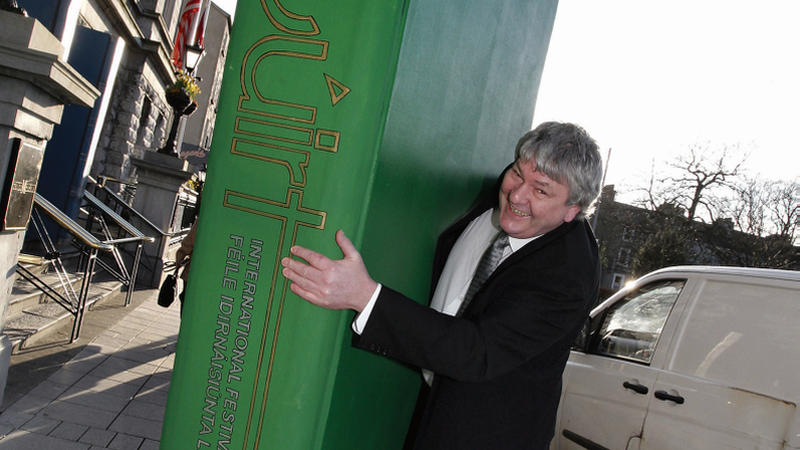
[(664, 236), (138, 114), (133, 116), (83, 94), (621, 230)]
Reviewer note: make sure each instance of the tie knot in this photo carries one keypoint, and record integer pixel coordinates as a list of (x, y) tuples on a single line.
[(500, 241)]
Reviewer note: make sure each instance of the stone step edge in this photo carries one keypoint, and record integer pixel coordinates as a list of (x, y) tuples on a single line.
[(36, 323), (25, 294), (26, 290)]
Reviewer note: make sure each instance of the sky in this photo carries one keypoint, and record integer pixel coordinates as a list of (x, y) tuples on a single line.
[(649, 79), (229, 6)]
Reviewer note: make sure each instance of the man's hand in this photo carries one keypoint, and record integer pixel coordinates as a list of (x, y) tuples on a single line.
[(340, 284)]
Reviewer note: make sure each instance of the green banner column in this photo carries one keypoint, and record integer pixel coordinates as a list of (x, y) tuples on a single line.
[(337, 115), (467, 78)]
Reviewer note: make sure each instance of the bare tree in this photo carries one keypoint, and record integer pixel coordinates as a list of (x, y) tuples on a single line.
[(784, 205), (749, 221), (764, 207), (697, 175), (652, 195), (696, 182), (748, 207)]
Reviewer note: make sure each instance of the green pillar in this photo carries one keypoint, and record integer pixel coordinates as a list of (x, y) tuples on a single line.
[(382, 118)]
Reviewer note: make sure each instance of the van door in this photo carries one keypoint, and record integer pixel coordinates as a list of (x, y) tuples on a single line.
[(732, 376), (689, 412), (608, 387)]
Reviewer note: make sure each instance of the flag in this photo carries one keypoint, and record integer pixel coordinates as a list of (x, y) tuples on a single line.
[(191, 28)]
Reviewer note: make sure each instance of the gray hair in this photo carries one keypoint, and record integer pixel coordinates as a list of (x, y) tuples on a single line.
[(566, 153)]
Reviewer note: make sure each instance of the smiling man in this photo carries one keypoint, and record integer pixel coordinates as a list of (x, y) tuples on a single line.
[(521, 273)]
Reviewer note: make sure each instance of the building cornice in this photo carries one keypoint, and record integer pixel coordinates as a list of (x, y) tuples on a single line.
[(160, 25), (159, 52), (120, 11), (29, 51), (125, 15)]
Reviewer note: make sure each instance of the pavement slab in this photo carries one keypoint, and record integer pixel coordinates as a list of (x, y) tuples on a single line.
[(106, 391)]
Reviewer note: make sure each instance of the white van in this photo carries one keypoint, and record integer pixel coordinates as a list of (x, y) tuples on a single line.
[(688, 358)]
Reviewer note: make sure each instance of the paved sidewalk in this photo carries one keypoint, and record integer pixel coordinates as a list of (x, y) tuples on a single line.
[(111, 395)]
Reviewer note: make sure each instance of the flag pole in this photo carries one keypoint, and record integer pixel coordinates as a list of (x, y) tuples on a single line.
[(196, 41)]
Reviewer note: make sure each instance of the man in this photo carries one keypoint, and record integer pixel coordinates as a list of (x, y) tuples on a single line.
[(498, 354)]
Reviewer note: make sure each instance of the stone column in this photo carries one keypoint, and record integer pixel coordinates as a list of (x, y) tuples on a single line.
[(158, 187), (34, 86)]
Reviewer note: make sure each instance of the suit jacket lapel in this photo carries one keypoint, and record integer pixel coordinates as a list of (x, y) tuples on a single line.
[(529, 249)]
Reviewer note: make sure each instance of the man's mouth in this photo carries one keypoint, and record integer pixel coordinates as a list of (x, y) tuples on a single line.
[(517, 212)]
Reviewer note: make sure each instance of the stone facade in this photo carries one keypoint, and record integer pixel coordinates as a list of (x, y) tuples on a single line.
[(138, 117), (133, 40), (136, 122)]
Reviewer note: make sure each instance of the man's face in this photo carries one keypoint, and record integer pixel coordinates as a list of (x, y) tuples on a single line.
[(531, 203)]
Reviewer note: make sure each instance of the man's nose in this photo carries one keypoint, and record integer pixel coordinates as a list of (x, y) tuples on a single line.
[(518, 193)]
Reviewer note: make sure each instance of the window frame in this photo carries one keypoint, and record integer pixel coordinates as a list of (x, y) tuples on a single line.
[(596, 323)]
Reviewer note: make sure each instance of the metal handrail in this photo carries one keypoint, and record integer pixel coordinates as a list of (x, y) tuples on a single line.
[(99, 214), (105, 178), (136, 213), (72, 302), (70, 225), (136, 235)]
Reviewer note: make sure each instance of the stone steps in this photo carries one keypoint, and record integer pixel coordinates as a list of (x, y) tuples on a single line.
[(32, 316)]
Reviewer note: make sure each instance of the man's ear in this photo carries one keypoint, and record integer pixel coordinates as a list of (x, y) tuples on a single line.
[(572, 212)]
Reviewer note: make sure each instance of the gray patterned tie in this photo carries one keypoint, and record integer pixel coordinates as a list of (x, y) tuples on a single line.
[(489, 261)]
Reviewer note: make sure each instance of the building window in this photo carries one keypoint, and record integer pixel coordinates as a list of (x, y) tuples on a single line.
[(624, 257), (144, 133), (159, 129), (618, 281), (627, 233), (167, 11)]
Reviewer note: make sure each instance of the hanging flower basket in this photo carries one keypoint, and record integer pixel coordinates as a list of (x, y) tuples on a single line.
[(182, 93)]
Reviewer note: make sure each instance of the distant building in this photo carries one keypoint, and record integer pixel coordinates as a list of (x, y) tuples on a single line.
[(200, 125), (622, 231)]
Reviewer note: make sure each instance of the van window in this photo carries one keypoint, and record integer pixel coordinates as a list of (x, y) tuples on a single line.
[(631, 327)]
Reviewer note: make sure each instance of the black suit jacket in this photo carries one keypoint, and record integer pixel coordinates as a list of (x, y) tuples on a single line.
[(498, 367)]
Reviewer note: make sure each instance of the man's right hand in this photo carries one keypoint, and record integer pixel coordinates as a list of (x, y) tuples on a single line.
[(331, 284)]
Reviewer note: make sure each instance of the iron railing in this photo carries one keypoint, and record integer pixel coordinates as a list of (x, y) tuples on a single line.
[(100, 214), (73, 302)]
